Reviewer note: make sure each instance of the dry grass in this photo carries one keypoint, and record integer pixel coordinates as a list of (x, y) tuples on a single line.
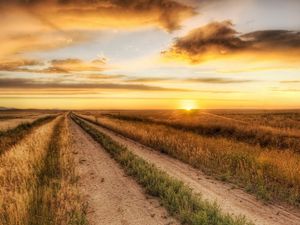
[(270, 174), (289, 120), (56, 200), (208, 124), (177, 198), (18, 175), (13, 123), (29, 194), (13, 136)]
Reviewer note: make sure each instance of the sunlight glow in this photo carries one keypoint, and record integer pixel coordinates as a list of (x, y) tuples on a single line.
[(189, 105)]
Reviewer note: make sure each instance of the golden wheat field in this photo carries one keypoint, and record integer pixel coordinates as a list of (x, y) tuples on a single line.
[(54, 163), (262, 159), (149, 112)]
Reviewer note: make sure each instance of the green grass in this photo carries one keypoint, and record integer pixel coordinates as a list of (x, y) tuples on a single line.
[(177, 198), (13, 136)]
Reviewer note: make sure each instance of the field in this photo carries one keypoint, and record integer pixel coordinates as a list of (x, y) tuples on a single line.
[(217, 167)]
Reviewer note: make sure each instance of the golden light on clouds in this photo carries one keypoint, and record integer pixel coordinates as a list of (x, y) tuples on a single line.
[(220, 40), (153, 54)]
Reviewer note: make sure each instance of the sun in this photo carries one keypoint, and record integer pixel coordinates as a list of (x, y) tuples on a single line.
[(188, 105)]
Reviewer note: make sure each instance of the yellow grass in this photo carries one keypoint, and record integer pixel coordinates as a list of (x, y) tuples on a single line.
[(269, 173), (18, 175), (208, 124), (24, 196), (12, 123)]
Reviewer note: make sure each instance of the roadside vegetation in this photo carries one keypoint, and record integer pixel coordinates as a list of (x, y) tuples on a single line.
[(177, 198), (11, 137), (9, 123), (254, 132), (272, 175), (38, 180), (286, 120)]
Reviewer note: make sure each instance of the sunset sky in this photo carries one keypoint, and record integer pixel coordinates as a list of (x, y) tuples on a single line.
[(150, 54)]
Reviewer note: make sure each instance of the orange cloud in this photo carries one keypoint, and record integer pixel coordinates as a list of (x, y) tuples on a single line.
[(18, 65), (220, 40), (117, 13), (77, 65), (40, 25), (56, 66)]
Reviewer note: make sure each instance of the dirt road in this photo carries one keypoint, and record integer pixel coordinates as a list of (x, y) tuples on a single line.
[(233, 201), (113, 197)]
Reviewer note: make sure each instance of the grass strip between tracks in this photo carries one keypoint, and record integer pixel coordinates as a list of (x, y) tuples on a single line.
[(57, 199)]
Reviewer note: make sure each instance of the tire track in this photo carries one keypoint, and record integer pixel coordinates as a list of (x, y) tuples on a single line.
[(113, 197), (233, 201)]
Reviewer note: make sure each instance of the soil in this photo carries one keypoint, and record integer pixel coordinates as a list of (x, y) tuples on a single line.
[(231, 200), (113, 198)]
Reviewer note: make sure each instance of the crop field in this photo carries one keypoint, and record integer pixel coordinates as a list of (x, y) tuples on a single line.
[(150, 167)]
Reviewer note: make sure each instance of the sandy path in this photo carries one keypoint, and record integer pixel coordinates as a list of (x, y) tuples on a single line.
[(233, 201), (113, 197)]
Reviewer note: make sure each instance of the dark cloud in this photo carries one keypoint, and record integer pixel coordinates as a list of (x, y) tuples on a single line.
[(22, 83), (217, 80), (220, 39), (167, 13), (272, 39)]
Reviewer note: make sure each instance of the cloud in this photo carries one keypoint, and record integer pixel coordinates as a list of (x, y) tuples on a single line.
[(23, 34), (18, 65), (70, 14), (102, 76), (65, 66), (217, 80), (286, 90), (42, 25), (23, 83), (77, 65), (220, 40), (147, 79), (289, 81)]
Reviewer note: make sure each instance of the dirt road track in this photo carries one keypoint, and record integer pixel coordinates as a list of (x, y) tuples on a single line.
[(231, 200), (113, 198)]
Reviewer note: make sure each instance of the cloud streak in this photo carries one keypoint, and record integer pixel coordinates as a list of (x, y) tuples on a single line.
[(23, 83), (65, 66), (148, 79), (217, 80), (289, 81)]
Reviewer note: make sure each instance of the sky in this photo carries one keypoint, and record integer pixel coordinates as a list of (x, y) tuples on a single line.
[(150, 54)]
